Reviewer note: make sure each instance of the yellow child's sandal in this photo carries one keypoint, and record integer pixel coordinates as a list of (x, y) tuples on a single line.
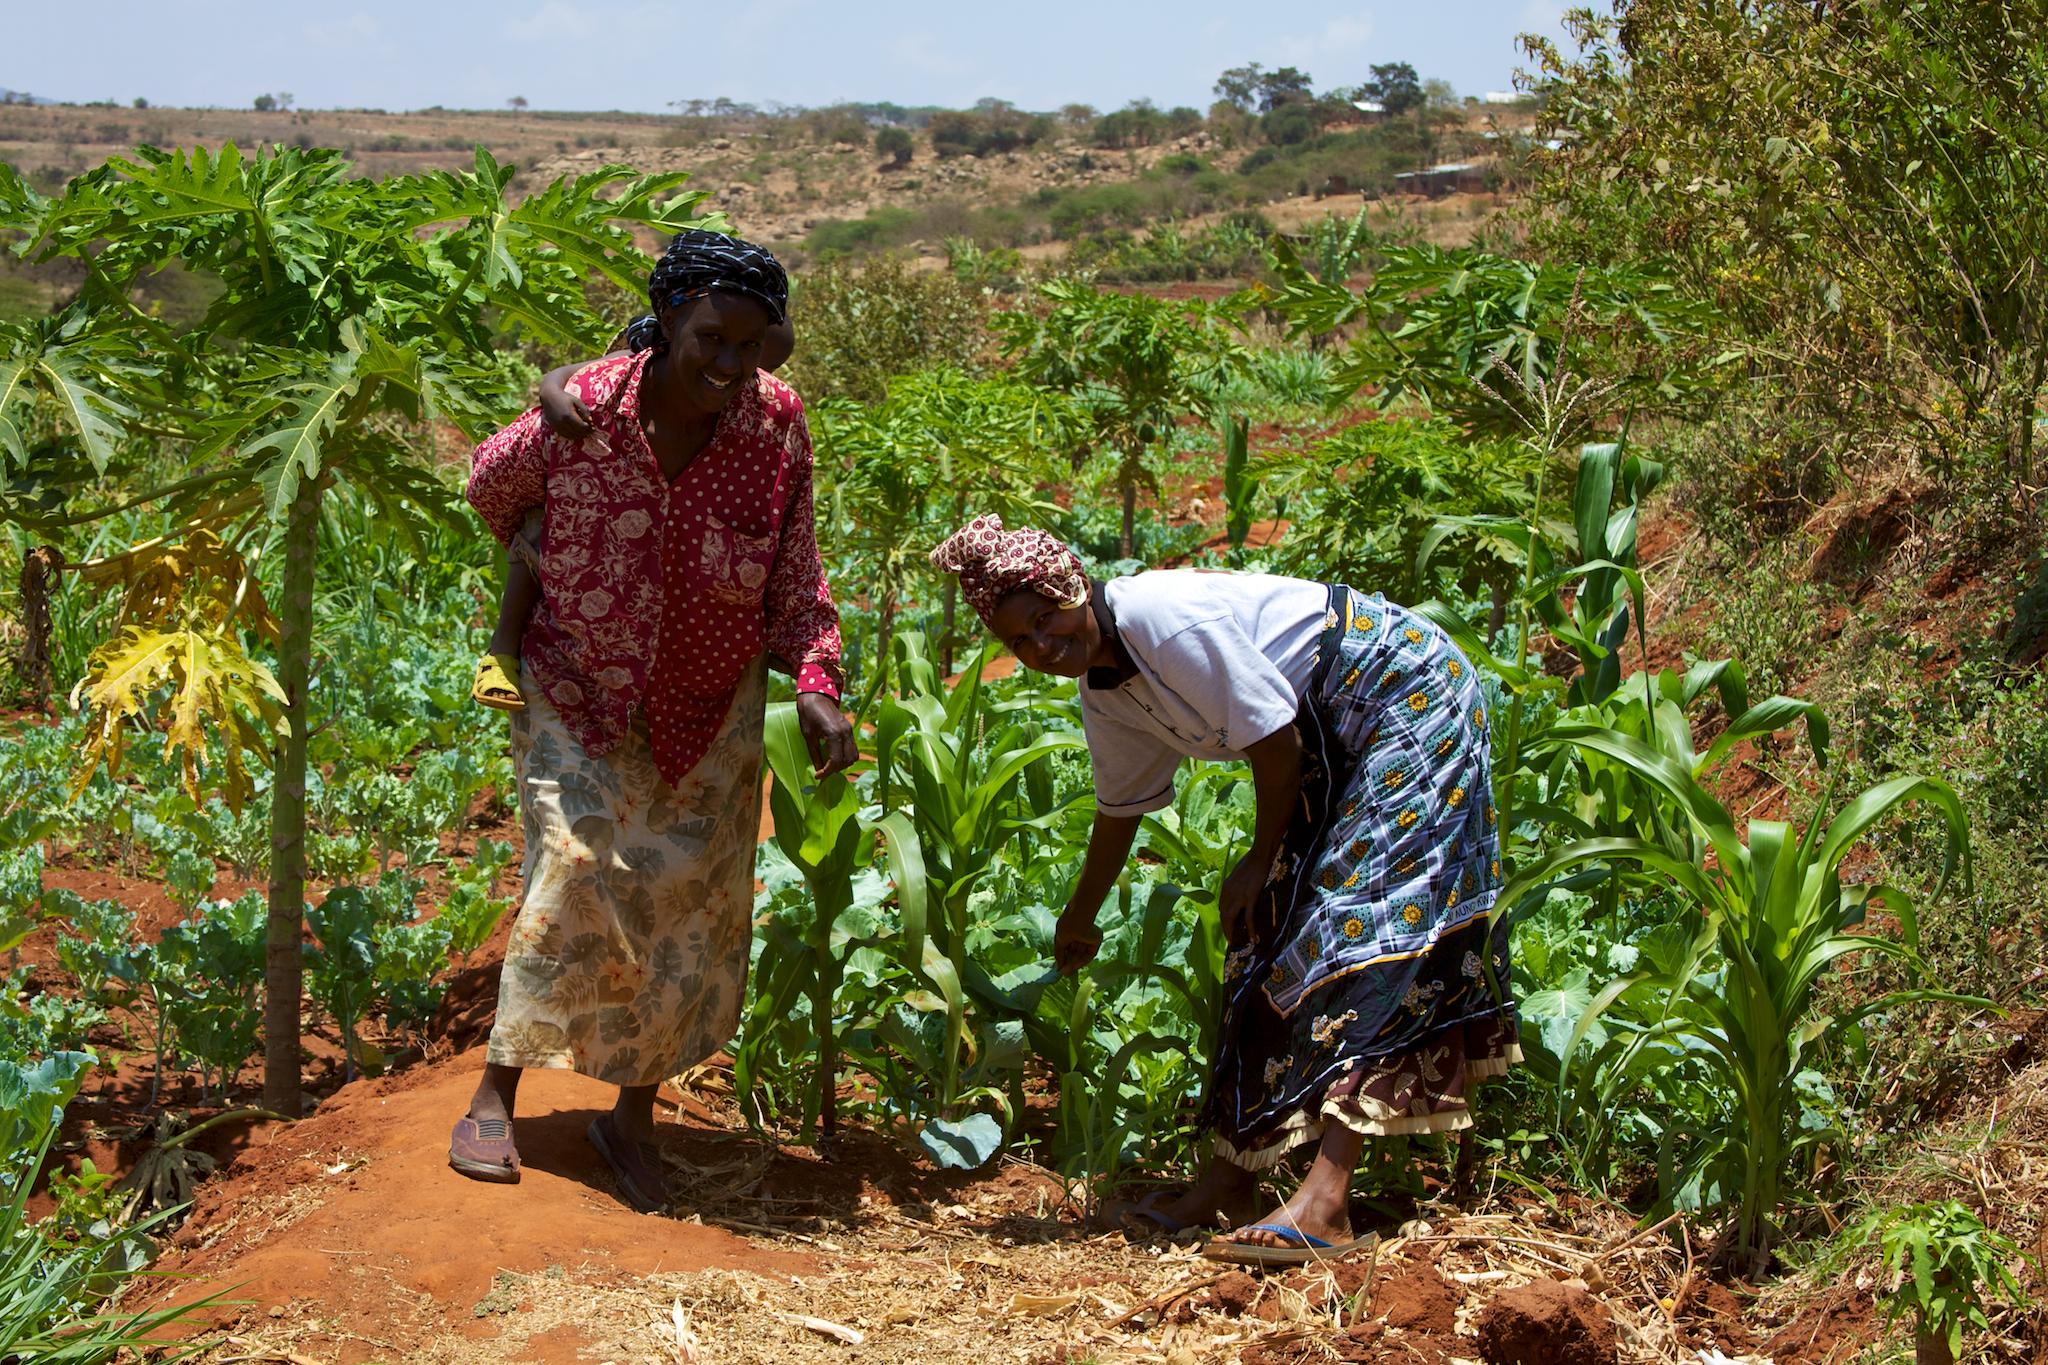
[(497, 683)]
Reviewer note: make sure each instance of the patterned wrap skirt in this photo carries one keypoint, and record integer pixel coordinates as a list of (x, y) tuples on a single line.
[(628, 960), (1369, 985)]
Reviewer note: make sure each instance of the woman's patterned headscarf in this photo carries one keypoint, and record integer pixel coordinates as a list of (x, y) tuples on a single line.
[(993, 563), (699, 262)]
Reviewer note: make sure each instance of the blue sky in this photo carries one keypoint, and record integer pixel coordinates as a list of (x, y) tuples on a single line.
[(642, 54)]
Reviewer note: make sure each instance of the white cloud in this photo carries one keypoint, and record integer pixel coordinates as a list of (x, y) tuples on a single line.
[(1352, 31), (1346, 33), (351, 30), (920, 51)]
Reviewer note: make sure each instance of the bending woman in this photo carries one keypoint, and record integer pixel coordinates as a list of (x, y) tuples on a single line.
[(1365, 989)]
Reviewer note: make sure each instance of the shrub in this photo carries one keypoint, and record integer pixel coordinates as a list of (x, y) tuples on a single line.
[(858, 324), (896, 144), (952, 133), (1289, 125), (883, 227)]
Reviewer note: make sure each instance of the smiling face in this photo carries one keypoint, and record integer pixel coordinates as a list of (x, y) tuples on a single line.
[(713, 344), (1047, 637)]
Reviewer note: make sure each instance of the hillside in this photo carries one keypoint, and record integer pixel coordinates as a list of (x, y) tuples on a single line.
[(780, 182)]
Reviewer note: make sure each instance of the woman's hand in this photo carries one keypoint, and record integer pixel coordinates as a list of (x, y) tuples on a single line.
[(1240, 892), (1075, 941), (561, 409), (1276, 781), (826, 731)]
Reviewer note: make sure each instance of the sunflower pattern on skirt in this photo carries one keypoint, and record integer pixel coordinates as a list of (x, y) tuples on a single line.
[(1369, 983)]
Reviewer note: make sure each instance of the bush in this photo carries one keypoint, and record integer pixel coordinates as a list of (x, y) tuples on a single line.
[(1097, 207), (858, 324), (953, 134), (896, 144), (1289, 125), (883, 227)]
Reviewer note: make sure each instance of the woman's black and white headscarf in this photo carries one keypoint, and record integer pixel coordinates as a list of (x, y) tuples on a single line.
[(697, 263)]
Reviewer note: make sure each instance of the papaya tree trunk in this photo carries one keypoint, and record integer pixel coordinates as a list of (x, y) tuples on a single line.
[(947, 623), (1130, 518), (1930, 1346), (885, 635), (39, 570), (284, 963)]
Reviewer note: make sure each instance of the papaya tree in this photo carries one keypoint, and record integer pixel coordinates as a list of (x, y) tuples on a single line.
[(351, 313), (1135, 365), (901, 474)]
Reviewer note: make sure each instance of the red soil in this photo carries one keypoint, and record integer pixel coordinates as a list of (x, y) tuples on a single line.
[(354, 1215)]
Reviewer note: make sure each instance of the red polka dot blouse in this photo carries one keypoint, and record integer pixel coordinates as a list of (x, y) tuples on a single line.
[(658, 594)]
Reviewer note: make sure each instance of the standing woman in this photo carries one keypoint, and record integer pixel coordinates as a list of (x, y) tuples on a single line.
[(678, 558), (1366, 985)]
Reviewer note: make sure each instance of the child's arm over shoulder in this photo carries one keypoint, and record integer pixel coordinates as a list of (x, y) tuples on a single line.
[(561, 404)]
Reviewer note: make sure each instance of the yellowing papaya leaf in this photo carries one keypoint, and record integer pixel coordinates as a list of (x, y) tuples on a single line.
[(198, 576), (185, 683)]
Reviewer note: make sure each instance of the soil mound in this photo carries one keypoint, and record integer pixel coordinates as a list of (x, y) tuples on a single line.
[(354, 1217), (1418, 1300), (1546, 1323)]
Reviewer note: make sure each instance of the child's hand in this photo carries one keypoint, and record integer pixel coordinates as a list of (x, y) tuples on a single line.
[(562, 410)]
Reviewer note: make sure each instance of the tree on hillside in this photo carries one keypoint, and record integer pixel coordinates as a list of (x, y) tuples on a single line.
[(1289, 125), (952, 133), (1137, 124), (897, 145), (518, 102), (1394, 85), (264, 104), (1134, 365), (1288, 85), (1239, 87), (350, 311)]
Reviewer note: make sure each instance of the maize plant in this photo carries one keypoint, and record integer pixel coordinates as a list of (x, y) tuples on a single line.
[(1741, 999), (822, 829)]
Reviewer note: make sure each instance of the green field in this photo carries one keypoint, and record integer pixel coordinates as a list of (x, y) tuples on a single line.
[(1715, 445)]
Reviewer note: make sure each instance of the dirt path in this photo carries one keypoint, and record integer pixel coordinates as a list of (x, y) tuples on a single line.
[(350, 1229)]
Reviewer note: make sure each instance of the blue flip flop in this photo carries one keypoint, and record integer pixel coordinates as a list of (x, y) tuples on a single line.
[(1300, 1249), (1134, 1217)]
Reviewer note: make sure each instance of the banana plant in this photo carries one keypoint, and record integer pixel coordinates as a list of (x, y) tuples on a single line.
[(822, 829), (1773, 917)]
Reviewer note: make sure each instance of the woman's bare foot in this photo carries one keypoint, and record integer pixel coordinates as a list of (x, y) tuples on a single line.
[(1320, 1205), (1224, 1196)]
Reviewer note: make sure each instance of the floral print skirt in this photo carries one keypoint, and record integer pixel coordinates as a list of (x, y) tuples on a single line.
[(628, 960), (1369, 985)]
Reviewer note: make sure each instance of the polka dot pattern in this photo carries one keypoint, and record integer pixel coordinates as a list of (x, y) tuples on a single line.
[(657, 594)]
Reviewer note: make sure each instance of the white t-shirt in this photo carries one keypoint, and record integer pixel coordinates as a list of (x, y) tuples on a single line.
[(1223, 660)]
